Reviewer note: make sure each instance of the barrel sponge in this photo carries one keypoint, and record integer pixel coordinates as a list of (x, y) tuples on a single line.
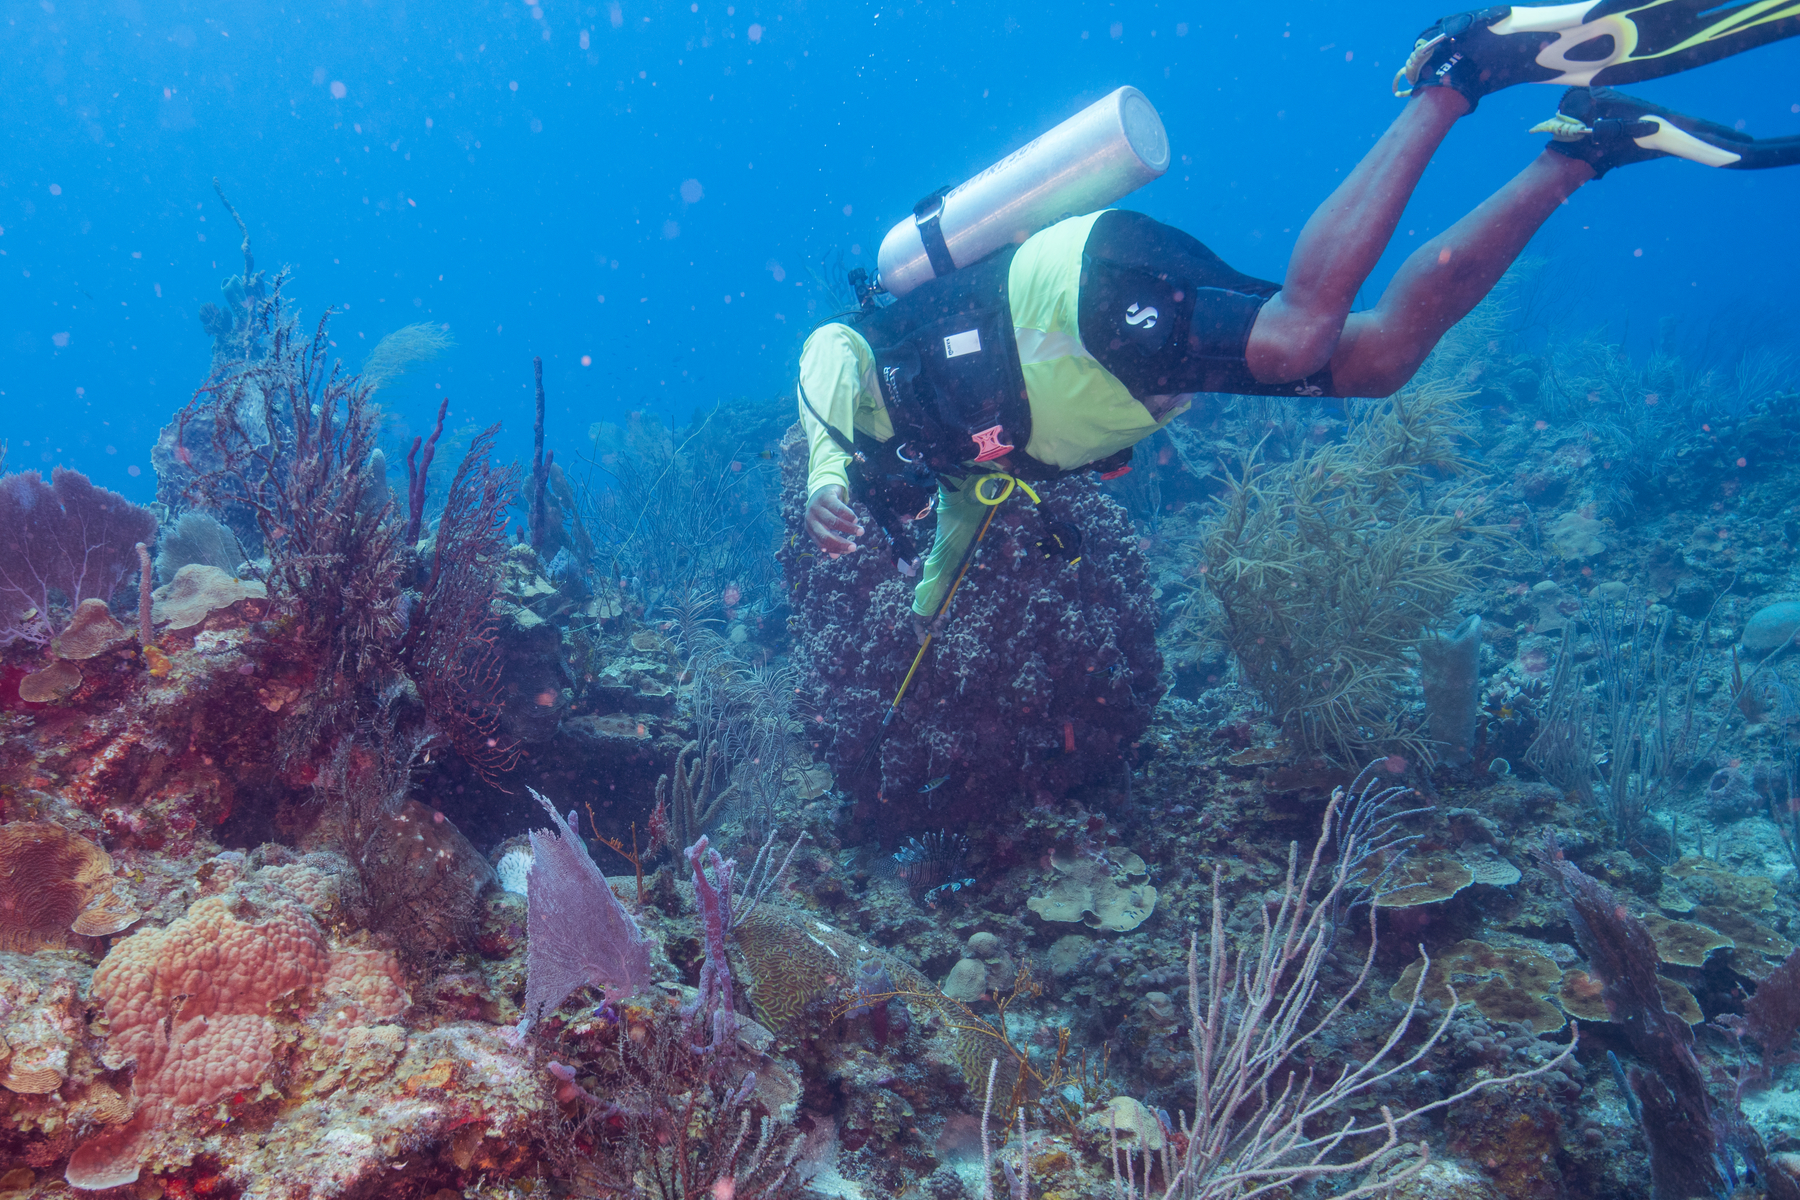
[(189, 1003)]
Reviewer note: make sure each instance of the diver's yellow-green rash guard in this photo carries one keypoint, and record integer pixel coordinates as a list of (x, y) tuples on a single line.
[(1079, 411), (837, 369)]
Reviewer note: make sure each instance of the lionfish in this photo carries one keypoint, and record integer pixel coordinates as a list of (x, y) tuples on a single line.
[(932, 866)]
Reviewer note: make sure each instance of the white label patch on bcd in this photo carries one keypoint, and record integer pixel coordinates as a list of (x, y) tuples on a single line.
[(966, 342)]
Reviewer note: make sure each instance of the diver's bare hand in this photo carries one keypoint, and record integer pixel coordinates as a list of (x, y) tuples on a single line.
[(828, 519)]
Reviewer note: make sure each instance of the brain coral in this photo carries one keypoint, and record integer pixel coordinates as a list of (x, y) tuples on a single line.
[(52, 881), (189, 1003)]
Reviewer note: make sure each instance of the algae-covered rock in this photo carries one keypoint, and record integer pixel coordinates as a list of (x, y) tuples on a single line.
[(1044, 676)]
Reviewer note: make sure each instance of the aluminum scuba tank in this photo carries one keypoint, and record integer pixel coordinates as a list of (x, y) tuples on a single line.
[(1107, 150)]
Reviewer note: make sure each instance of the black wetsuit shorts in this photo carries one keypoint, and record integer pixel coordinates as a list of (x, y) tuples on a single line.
[(1166, 315)]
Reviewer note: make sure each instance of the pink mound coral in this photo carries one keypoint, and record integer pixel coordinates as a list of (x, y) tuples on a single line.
[(189, 1005)]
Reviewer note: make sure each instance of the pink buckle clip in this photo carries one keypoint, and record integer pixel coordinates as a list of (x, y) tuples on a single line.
[(989, 443)]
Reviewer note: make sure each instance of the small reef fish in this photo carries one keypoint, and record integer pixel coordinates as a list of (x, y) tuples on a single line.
[(934, 784)]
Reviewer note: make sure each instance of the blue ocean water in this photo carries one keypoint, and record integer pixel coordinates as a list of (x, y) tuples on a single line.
[(637, 191)]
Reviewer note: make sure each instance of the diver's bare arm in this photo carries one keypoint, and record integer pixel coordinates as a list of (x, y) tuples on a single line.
[(1442, 280), (1297, 331)]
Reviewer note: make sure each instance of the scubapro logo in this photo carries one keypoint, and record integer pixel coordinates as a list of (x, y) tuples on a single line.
[(1135, 316)]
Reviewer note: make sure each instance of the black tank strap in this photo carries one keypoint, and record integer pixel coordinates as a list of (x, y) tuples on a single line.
[(925, 217)]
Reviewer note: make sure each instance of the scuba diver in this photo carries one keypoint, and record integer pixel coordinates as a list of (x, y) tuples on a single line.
[(1024, 347)]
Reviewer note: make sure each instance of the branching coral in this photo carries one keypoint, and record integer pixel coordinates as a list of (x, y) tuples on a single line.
[(290, 437), (1265, 1118), (743, 743), (454, 653), (1328, 568)]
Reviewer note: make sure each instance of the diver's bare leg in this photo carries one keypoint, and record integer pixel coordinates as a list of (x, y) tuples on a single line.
[(1442, 280), (1297, 331)]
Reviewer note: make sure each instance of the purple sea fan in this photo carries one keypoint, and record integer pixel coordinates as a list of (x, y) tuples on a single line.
[(579, 932), (63, 542)]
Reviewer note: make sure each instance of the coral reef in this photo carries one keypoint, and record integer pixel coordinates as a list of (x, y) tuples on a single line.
[(283, 910)]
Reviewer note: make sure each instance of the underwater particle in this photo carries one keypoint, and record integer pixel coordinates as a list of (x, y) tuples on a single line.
[(691, 191), (55, 681), (338, 90)]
